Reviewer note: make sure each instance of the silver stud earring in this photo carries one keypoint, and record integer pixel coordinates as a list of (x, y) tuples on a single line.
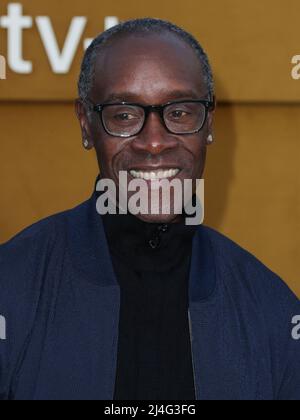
[(85, 143), (210, 139)]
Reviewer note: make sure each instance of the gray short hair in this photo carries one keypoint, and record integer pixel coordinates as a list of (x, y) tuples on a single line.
[(140, 26)]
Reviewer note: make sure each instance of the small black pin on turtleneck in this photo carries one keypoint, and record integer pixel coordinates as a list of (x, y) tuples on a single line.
[(157, 237)]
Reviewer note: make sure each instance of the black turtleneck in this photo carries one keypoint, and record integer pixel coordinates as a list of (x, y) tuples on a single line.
[(152, 265)]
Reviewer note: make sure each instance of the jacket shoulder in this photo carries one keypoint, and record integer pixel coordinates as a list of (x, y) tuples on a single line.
[(232, 258), (44, 230), (24, 254), (228, 250)]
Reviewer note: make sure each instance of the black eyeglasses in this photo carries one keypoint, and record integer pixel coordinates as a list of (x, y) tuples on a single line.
[(128, 119)]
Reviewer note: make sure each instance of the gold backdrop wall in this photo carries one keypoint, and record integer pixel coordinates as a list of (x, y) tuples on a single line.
[(252, 179)]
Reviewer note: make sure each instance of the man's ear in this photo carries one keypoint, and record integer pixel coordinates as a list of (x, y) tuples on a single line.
[(211, 114), (210, 119), (85, 125)]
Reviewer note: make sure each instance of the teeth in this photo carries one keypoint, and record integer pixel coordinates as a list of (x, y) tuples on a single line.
[(155, 175)]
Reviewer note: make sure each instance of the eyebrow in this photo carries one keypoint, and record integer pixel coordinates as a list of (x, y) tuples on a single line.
[(169, 95)]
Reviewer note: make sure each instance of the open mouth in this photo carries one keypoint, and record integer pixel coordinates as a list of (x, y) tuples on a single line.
[(155, 175)]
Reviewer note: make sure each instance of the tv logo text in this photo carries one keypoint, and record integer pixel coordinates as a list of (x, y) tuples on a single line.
[(60, 59)]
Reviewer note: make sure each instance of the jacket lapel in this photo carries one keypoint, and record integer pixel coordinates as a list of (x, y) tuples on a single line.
[(221, 370), (96, 294)]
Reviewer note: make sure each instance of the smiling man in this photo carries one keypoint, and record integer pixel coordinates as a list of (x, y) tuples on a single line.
[(142, 306)]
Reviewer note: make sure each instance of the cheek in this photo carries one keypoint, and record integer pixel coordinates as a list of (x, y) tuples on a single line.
[(198, 150), (103, 147), (109, 150), (105, 155)]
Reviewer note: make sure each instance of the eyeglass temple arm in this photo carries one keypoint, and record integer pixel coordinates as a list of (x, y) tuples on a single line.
[(212, 102)]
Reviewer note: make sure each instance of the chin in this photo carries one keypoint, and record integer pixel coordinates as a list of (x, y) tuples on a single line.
[(159, 218)]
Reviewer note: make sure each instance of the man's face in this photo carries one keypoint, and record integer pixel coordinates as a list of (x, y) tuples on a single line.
[(149, 70)]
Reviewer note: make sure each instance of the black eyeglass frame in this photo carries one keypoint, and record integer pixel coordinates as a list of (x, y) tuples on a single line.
[(208, 104)]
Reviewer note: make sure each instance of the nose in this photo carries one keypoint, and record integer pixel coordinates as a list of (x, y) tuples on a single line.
[(154, 139)]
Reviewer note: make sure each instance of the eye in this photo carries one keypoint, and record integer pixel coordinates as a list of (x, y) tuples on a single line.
[(178, 114), (125, 116)]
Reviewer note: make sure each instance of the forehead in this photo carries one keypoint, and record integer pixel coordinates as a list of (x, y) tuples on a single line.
[(151, 69)]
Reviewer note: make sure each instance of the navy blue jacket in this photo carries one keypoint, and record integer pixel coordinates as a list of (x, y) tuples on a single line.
[(60, 299)]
